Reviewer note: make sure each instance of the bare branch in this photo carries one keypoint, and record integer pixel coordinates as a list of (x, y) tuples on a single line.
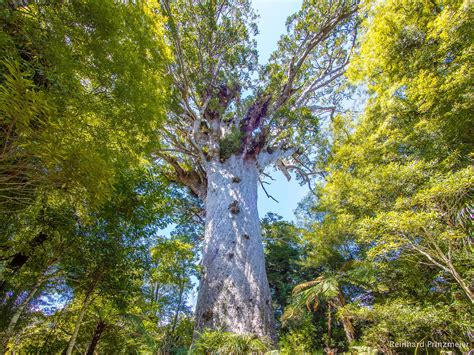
[(268, 176), (265, 190), (305, 176)]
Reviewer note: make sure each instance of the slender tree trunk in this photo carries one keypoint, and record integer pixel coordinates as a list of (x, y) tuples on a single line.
[(346, 322), (170, 338), (16, 316), (348, 330), (51, 333), (329, 327), (446, 259), (178, 309), (234, 293), (467, 290), (85, 306), (98, 331), (155, 293), (444, 262)]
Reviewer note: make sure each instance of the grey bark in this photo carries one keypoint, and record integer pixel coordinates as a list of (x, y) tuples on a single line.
[(234, 294)]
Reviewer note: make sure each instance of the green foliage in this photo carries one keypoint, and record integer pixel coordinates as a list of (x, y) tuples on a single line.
[(82, 96), (285, 252), (20, 106), (408, 182), (310, 293), (231, 143), (319, 88), (301, 337), (139, 295), (223, 342), (391, 215), (78, 102), (283, 255), (403, 320), (200, 29)]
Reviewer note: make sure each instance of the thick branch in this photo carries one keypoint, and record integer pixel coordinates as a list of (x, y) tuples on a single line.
[(265, 159), (252, 120), (190, 178)]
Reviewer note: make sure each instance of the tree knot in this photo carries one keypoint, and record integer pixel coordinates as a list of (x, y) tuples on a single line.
[(207, 316), (236, 179), (234, 208)]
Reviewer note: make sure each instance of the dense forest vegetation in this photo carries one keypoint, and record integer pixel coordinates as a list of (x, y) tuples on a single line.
[(134, 136)]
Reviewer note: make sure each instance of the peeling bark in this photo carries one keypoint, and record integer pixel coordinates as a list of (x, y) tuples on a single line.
[(348, 330), (346, 321), (234, 293)]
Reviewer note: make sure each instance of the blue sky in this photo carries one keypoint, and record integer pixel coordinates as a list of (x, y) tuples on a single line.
[(271, 24)]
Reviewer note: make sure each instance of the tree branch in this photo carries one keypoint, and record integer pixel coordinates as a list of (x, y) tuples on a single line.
[(265, 159), (265, 190), (190, 178), (298, 59)]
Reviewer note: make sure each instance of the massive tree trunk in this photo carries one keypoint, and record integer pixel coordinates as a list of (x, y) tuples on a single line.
[(234, 293), (211, 121)]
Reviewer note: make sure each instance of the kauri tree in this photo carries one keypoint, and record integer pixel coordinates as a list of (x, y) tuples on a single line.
[(226, 127)]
